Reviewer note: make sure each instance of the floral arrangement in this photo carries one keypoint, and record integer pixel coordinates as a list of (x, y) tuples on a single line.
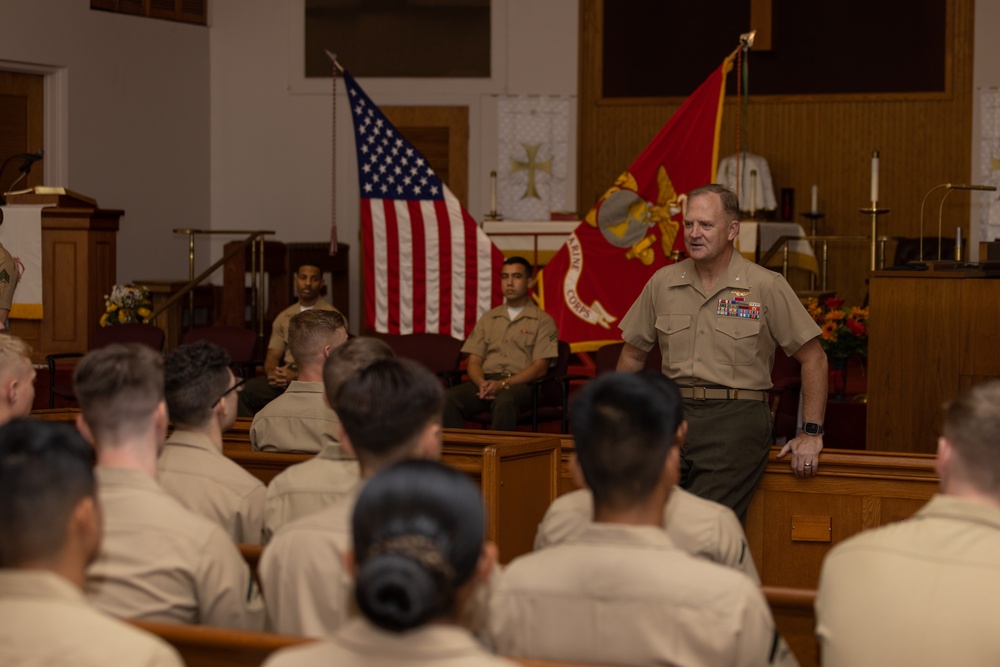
[(845, 331), (126, 303)]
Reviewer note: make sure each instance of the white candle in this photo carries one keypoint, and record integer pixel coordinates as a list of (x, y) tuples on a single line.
[(875, 176), (958, 244), (815, 199), (493, 193)]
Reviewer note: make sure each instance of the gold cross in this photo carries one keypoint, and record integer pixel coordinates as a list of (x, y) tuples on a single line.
[(531, 166)]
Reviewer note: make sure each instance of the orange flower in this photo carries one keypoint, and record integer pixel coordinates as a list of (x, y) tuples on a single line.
[(829, 332), (835, 316)]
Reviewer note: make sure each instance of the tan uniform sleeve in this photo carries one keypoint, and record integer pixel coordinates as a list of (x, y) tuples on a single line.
[(306, 587), (759, 643), (9, 276), (546, 339), (638, 326), (476, 343), (733, 549), (250, 516), (228, 597)]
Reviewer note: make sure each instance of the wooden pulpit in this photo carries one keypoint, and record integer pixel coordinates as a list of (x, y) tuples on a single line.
[(79, 267), (931, 335)]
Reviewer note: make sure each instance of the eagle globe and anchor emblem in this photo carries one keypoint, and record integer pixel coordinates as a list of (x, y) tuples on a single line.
[(624, 218)]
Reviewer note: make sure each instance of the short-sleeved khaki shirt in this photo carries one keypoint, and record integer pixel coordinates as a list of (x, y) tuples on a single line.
[(161, 562), (698, 526), (297, 421), (204, 480), (917, 592), (627, 595), (510, 346), (705, 341), (306, 583), (310, 486), (47, 621)]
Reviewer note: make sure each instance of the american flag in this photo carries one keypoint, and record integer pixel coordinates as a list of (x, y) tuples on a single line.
[(428, 266)]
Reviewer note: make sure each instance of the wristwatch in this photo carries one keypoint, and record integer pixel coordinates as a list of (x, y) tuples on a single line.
[(506, 385), (812, 428)]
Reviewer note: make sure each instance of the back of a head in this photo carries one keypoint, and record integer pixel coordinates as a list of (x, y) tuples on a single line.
[(194, 376), (45, 469), (348, 360), (972, 426), (15, 355), (312, 330), (418, 532), (624, 425), (118, 388), (386, 405)]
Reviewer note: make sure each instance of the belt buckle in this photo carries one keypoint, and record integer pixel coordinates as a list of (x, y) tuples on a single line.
[(695, 396), (733, 394)]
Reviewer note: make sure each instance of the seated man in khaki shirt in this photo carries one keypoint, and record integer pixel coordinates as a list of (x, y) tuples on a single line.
[(621, 591), (201, 395), (159, 561), (17, 379), (51, 532), (315, 484), (389, 411), (510, 347), (926, 591)]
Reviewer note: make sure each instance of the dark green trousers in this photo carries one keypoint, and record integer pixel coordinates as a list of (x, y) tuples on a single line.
[(462, 402), (726, 450)]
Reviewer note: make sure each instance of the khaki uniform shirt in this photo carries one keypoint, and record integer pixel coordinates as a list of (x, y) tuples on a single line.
[(9, 276), (202, 479), (161, 562), (297, 421), (360, 644), (626, 595), (700, 527), (308, 487), (279, 328), (47, 621), (699, 345), (510, 346), (302, 572), (918, 592)]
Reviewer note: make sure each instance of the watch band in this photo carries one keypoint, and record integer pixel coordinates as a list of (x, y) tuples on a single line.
[(812, 428)]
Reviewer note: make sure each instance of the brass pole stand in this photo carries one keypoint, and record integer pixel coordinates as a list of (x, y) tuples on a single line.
[(874, 211), (814, 217)]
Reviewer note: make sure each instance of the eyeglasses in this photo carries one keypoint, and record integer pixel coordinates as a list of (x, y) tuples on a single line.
[(238, 387)]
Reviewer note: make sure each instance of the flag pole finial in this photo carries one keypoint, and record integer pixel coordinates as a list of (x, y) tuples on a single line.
[(333, 58)]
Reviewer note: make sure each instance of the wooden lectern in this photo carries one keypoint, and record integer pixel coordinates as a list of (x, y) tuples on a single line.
[(79, 266), (931, 335)]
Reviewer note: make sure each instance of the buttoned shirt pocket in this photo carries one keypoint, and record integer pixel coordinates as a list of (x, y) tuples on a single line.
[(736, 340), (675, 336)]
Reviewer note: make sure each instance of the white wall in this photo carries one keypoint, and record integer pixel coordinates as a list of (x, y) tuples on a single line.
[(985, 74), (127, 119), (271, 129)]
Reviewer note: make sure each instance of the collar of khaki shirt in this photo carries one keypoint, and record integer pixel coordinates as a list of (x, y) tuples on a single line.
[(300, 387), (530, 311), (433, 640), (38, 584), (182, 438), (736, 276), (622, 535), (954, 507), (108, 476)]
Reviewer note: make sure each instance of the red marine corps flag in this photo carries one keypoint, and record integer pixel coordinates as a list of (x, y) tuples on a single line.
[(631, 232), (428, 265)]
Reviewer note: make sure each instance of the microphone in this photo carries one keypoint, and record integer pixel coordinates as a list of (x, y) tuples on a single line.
[(32, 158), (950, 187)]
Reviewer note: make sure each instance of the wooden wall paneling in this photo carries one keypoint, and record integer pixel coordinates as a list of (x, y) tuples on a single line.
[(924, 139), (22, 124)]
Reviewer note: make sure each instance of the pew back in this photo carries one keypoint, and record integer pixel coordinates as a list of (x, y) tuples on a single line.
[(202, 646)]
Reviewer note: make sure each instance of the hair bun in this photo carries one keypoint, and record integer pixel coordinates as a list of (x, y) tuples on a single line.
[(397, 593)]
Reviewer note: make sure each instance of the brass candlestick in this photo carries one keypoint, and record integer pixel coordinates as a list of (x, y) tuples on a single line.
[(874, 211)]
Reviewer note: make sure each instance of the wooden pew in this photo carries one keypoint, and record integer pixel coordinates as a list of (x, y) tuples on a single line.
[(203, 646), (795, 618)]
